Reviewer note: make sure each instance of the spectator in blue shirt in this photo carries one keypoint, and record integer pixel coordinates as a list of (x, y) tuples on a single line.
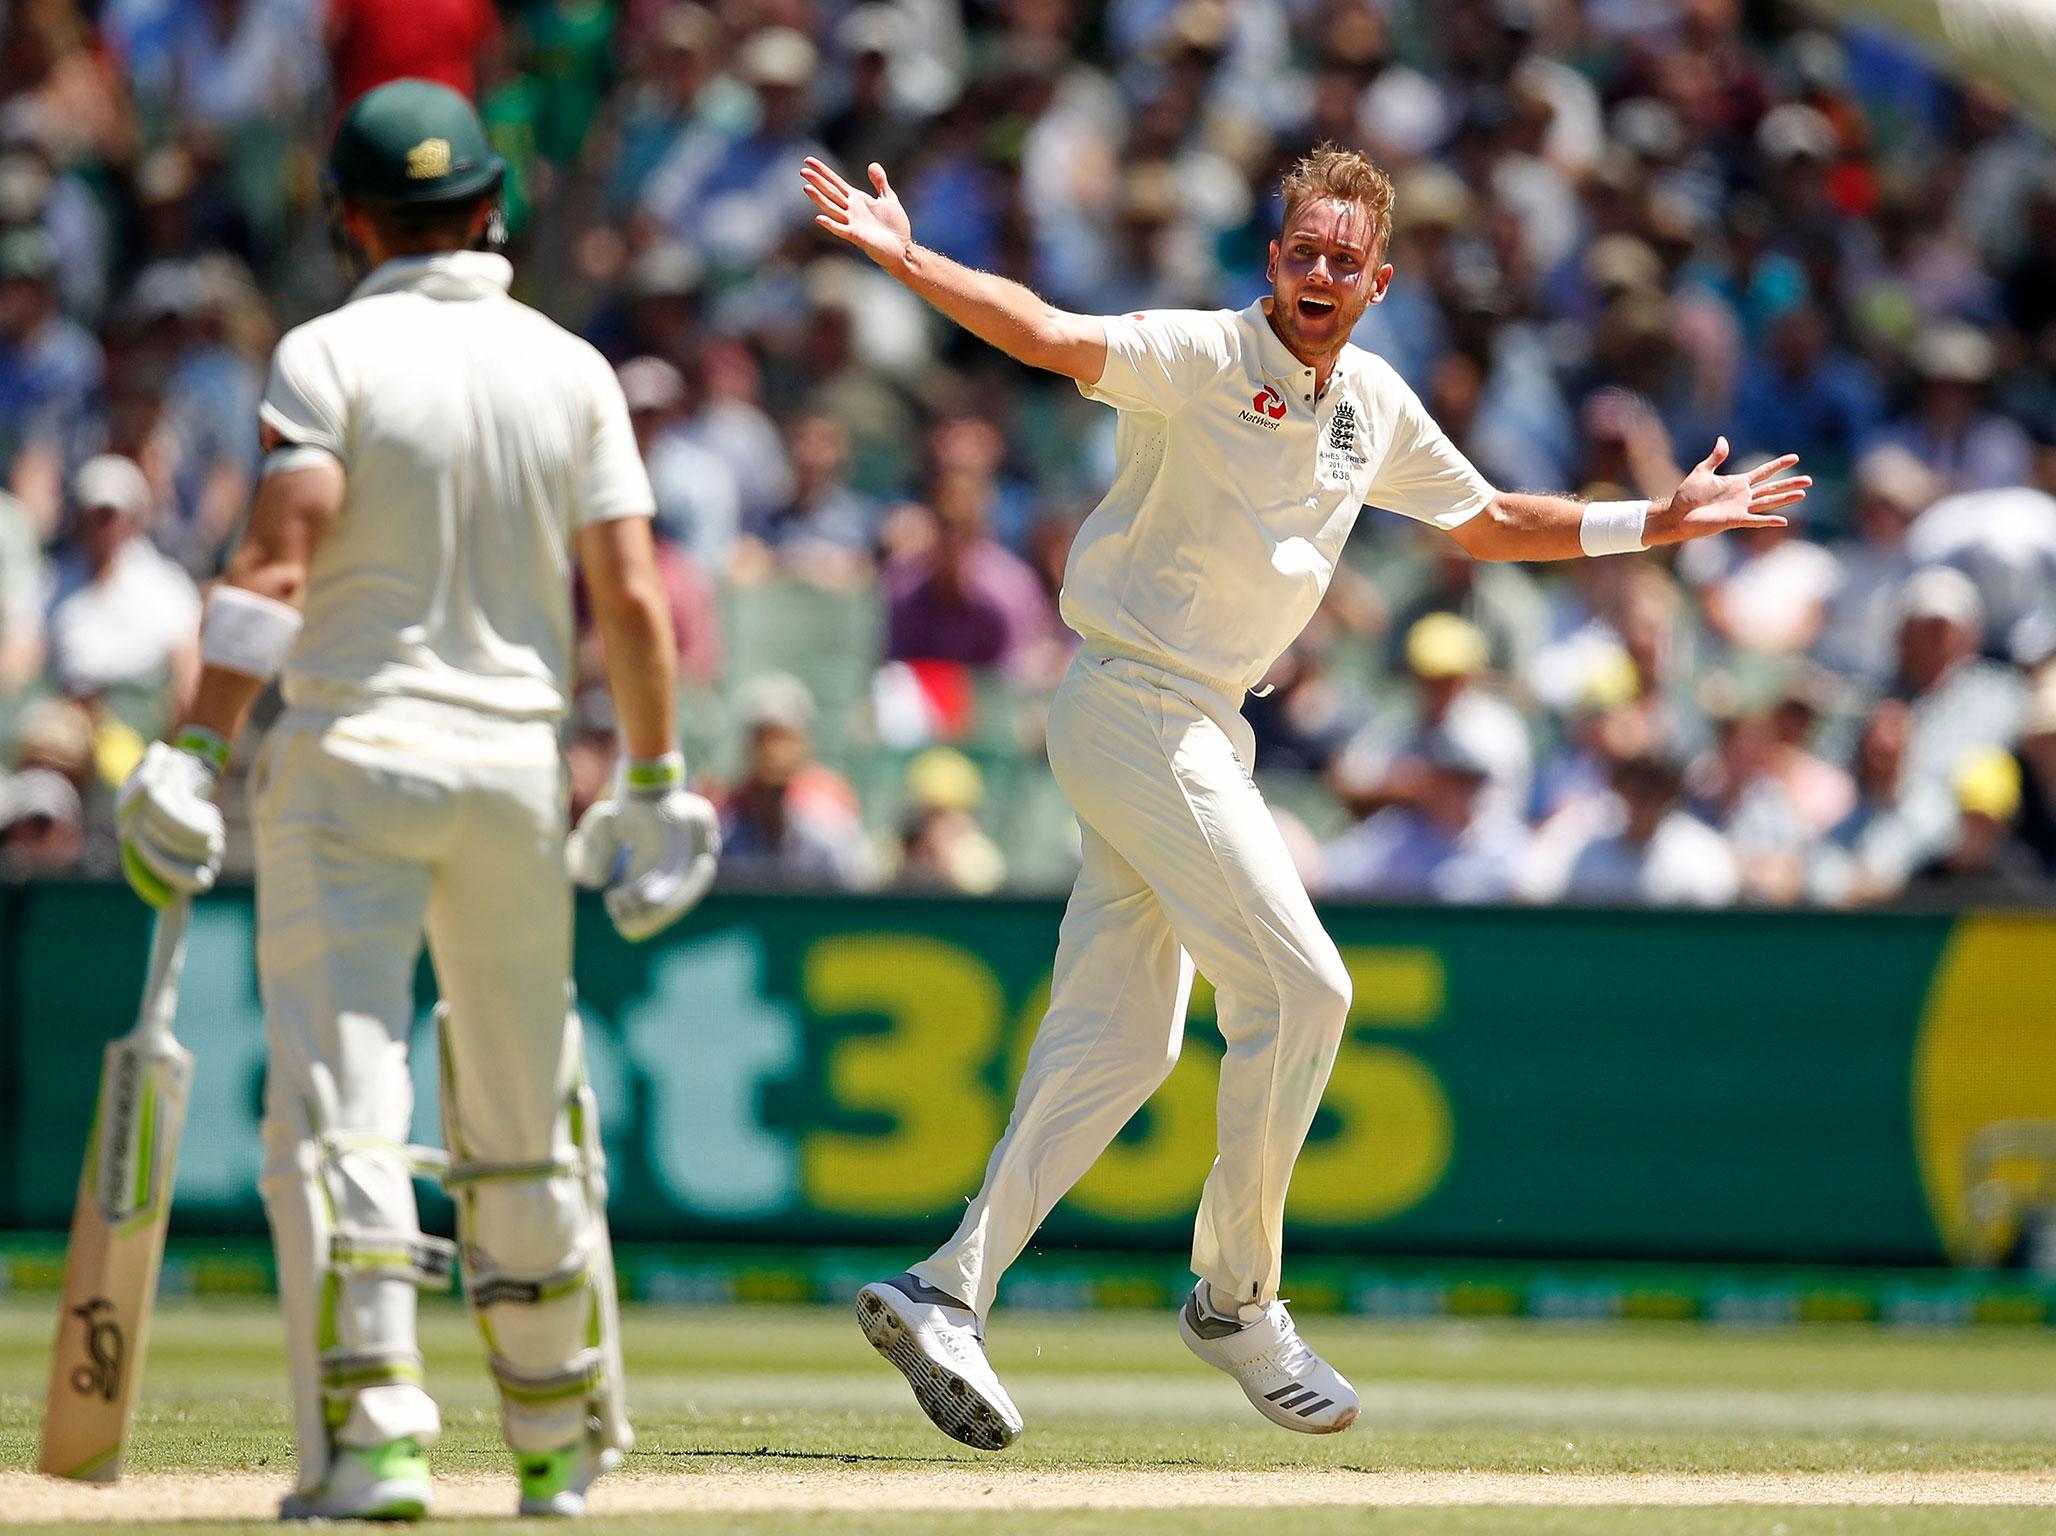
[(1800, 390)]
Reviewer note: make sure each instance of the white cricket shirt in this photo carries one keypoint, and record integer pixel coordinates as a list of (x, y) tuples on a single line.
[(1237, 489), (476, 437)]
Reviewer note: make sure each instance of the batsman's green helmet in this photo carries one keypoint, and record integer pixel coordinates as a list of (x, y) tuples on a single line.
[(412, 143)]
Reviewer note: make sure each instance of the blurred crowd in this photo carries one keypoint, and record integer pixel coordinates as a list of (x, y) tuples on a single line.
[(1622, 227)]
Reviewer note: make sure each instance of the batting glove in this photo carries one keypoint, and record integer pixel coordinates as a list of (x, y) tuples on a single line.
[(651, 844), (171, 830)]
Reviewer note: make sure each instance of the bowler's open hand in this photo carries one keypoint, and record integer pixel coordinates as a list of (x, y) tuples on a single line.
[(874, 223), (1707, 501)]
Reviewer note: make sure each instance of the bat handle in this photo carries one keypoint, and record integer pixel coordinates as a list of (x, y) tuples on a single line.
[(167, 959)]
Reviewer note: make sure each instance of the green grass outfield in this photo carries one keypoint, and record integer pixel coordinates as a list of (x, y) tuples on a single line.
[(760, 1420)]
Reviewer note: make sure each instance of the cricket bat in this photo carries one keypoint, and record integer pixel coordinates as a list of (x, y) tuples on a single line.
[(117, 1228)]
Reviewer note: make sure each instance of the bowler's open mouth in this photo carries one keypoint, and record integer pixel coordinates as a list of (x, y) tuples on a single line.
[(1315, 309)]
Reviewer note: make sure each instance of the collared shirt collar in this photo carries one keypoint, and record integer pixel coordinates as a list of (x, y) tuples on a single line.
[(1273, 356), (1277, 360), (445, 275)]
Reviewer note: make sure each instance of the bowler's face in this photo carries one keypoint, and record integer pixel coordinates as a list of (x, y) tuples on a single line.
[(1324, 274)]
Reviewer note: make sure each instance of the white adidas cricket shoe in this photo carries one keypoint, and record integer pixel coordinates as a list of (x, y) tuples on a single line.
[(383, 1482), (1288, 1383), (936, 1343)]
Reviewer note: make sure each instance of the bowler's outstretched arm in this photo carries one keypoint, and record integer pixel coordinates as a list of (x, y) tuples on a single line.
[(994, 309), (1525, 525)]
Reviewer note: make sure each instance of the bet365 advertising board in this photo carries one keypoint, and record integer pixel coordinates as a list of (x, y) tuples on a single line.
[(1729, 1086)]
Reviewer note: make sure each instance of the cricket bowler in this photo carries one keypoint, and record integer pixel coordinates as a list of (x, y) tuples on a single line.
[(1247, 443), (438, 455)]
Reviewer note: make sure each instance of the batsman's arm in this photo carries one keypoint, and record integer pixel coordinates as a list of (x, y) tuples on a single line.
[(619, 559), (1525, 525), (294, 508), (995, 309)]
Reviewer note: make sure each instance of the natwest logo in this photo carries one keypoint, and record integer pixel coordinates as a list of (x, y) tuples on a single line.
[(1266, 408)]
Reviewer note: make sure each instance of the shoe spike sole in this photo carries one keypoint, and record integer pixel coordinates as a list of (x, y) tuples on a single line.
[(951, 1403)]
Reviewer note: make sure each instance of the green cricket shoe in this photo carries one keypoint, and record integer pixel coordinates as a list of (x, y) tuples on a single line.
[(553, 1483), (380, 1482)]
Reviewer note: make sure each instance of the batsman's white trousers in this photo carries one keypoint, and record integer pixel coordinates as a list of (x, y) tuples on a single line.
[(372, 828), (1183, 864)]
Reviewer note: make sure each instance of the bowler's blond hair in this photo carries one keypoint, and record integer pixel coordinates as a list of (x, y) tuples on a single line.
[(1345, 175)]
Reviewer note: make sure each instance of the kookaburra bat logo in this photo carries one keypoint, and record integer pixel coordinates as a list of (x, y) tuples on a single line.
[(101, 1377)]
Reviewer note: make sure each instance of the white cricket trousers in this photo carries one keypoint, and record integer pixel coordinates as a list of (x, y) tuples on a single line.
[(372, 828), (1184, 865)]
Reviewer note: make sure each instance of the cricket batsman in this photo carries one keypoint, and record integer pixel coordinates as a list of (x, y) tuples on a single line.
[(1248, 441), (438, 455)]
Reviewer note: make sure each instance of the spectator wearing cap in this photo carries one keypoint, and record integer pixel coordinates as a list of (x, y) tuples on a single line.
[(736, 197), (1598, 729), (963, 596), (50, 370), (42, 825), (1639, 848), (1959, 701), (1501, 599), (1965, 445), (1985, 862), (61, 736), (1898, 822), (1637, 347), (941, 846), (1797, 149), (1859, 638), (788, 820), (121, 616), (699, 507), (1385, 763), (1450, 844), (21, 599)]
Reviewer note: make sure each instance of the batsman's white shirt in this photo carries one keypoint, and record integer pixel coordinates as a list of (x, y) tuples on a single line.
[(477, 436), (412, 785), (1238, 489)]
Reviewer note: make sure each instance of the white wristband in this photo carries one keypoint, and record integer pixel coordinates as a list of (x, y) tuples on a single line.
[(248, 633), (1612, 527)]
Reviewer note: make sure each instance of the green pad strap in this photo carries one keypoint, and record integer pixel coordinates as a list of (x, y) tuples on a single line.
[(581, 1378)]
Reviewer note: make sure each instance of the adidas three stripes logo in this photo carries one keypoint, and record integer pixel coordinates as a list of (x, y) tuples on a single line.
[(1299, 1399)]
